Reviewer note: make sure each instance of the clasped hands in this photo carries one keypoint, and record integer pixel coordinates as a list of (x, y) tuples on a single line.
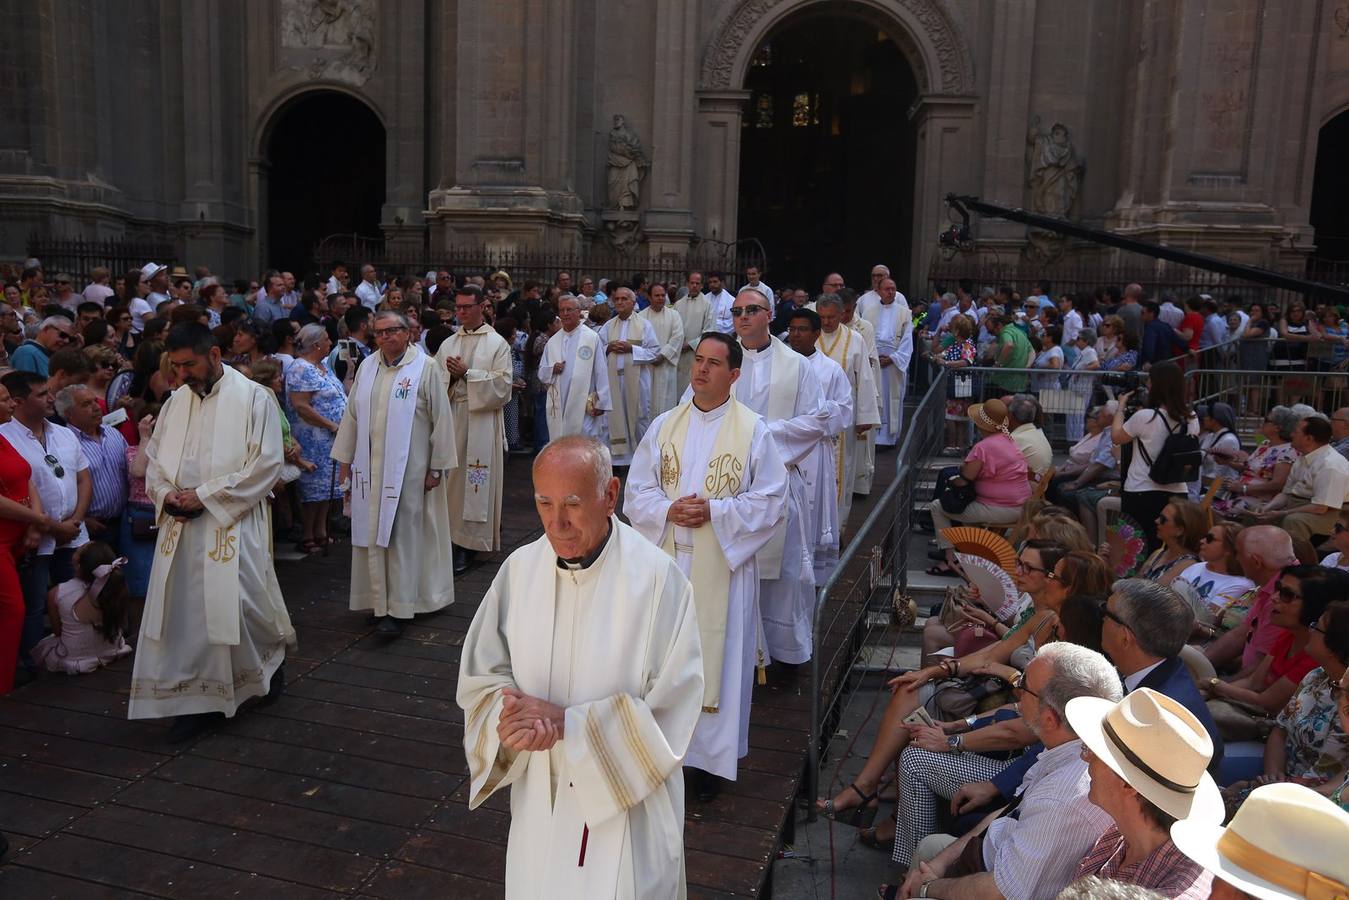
[(183, 501), (456, 366), (618, 347), (689, 512), (528, 723)]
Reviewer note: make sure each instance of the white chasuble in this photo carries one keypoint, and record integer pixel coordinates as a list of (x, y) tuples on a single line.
[(866, 449), (629, 385), (848, 348), (601, 813), (581, 388), (698, 317), (823, 467), (477, 403), (669, 331), (742, 522), (894, 340), (409, 571), (215, 626), (777, 383)]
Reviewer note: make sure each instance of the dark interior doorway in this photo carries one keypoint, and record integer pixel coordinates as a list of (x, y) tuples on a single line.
[(1330, 191), (827, 152), (326, 176)]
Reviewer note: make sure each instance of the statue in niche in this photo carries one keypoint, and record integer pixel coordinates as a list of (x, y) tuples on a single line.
[(316, 28), (623, 234), (627, 166), (1054, 176)]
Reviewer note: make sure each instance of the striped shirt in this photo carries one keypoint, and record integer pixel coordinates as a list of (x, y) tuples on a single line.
[(1034, 855), (1165, 870), (107, 470)]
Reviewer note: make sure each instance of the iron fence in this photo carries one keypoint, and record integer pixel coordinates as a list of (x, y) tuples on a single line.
[(79, 257), (1252, 392), (543, 266), (855, 602)]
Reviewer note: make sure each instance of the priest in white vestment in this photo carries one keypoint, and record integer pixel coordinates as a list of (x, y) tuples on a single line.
[(721, 301), (699, 317), (894, 347), (873, 296), (849, 349), (581, 681), (630, 350), (575, 375), (669, 329), (865, 462), (823, 467), (779, 385), (215, 627), (707, 484), (394, 445), (477, 361), (752, 281)]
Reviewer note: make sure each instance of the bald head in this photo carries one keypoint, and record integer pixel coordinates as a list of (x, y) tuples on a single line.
[(833, 283), (581, 456), (575, 493), (1339, 423), (1133, 292)]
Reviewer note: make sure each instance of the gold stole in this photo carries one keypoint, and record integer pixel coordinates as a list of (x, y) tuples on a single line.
[(480, 442), (843, 334), (785, 371), (229, 453), (727, 469), (631, 393)]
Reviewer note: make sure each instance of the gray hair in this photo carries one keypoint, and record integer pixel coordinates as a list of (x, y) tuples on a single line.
[(1093, 888), (833, 301), (1160, 618), (65, 398), (1076, 671), (310, 336), (949, 299), (1087, 334), (55, 322), (1284, 419), (1301, 410), (595, 455), (390, 314), (986, 292), (1024, 408)]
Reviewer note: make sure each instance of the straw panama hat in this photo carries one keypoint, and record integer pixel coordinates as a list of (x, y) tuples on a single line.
[(989, 415), (1286, 840), (1157, 746)]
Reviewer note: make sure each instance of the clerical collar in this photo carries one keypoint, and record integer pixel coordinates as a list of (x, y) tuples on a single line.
[(714, 412), (765, 347), (588, 560), (809, 354)]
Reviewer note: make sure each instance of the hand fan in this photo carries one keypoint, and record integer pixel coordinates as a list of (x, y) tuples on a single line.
[(997, 592), (982, 543), (1125, 540)]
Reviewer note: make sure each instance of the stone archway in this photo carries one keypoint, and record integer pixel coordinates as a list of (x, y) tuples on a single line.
[(1329, 216), (942, 115)]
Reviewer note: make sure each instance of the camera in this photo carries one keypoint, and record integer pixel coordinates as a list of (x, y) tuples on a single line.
[(1127, 383)]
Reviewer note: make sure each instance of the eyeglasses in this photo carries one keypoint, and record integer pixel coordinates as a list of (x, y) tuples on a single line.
[(1339, 526), (1316, 626), (1024, 566), (1022, 689), (57, 469), (1114, 617), (738, 311), (389, 332), (460, 307), (1287, 594)]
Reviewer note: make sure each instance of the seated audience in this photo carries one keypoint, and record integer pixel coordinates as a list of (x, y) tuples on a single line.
[(1091, 460), (996, 469), (1034, 853), (1263, 473), (1219, 443), (1217, 578), (1023, 415), (1146, 757), (1309, 504), (1339, 540), (1181, 525), (89, 615)]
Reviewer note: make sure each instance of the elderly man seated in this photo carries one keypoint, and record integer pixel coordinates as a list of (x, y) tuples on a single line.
[(1090, 461), (1023, 412), (1031, 847), (1317, 487)]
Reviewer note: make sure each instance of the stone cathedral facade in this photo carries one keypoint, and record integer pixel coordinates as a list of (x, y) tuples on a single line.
[(567, 124)]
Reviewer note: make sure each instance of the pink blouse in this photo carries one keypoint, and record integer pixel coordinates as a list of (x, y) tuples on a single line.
[(1003, 480)]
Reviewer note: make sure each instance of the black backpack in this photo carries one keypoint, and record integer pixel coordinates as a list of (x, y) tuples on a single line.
[(1180, 458)]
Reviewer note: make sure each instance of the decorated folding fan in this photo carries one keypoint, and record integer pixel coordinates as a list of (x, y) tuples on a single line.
[(1125, 538), (996, 589), (982, 543)]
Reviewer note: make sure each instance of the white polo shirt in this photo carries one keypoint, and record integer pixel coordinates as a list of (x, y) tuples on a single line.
[(58, 494)]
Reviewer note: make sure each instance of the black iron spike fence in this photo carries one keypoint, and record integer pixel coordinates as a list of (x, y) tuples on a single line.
[(540, 265), (78, 257)]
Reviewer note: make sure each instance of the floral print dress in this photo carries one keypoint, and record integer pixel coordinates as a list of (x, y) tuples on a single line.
[(1259, 467), (958, 351), (329, 400), (1317, 747)]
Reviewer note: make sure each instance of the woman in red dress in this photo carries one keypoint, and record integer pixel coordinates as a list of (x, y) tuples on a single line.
[(21, 524)]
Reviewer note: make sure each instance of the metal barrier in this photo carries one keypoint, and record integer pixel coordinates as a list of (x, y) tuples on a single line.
[(1252, 392), (853, 603)]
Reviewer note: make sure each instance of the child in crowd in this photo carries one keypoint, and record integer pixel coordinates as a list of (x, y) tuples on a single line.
[(89, 614)]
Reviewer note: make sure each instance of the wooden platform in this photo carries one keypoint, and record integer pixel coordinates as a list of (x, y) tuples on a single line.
[(354, 783)]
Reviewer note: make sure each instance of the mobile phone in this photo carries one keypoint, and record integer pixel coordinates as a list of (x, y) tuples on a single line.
[(920, 717)]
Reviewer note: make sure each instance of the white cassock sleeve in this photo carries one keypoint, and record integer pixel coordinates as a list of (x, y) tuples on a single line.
[(837, 393), (648, 351), (744, 523), (672, 348), (622, 748), (903, 343), (552, 353), (868, 411), (599, 381), (232, 496), (797, 437)]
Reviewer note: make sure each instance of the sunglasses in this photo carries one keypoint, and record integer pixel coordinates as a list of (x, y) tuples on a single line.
[(107, 365), (1209, 539), (1339, 526), (1287, 594), (738, 311), (57, 469), (1113, 616)]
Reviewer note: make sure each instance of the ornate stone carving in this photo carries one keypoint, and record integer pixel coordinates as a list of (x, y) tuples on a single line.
[(929, 23), (330, 38), (627, 166), (1054, 176), (622, 229)]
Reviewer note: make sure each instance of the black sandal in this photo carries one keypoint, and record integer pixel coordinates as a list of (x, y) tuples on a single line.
[(862, 815), (867, 838)]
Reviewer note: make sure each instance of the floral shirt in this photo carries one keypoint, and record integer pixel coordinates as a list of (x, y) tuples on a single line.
[(1316, 745), (956, 352)]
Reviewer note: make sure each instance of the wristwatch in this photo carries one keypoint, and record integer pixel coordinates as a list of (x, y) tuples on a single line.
[(1214, 681), (955, 742)]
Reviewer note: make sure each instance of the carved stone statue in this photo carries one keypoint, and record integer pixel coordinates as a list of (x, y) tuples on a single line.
[(330, 38), (627, 166), (1054, 176)]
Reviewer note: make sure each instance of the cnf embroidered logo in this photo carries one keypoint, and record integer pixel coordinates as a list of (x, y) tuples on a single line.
[(404, 388), (585, 352)]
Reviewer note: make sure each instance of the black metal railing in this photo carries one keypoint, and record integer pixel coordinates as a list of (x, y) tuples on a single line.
[(78, 257)]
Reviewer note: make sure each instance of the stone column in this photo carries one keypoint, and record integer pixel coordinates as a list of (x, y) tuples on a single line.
[(669, 217), (1009, 79), (717, 137), (945, 126)]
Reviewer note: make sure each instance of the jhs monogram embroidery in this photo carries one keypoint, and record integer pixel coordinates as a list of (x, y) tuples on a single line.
[(170, 542), (226, 545), (724, 475)]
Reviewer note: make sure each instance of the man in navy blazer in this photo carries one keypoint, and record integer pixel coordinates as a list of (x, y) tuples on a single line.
[(1144, 629)]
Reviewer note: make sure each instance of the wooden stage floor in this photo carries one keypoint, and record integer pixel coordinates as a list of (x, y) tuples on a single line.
[(352, 784)]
